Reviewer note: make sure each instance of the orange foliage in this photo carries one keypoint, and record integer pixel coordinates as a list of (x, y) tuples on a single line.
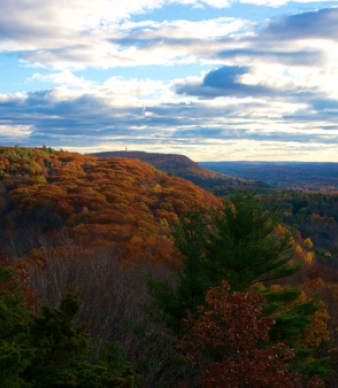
[(111, 199)]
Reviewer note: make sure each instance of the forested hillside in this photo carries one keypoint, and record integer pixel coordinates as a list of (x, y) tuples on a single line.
[(115, 274), (105, 201), (183, 167), (316, 217)]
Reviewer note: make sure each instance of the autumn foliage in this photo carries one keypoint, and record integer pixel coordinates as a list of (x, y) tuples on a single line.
[(97, 223), (228, 340), (114, 201)]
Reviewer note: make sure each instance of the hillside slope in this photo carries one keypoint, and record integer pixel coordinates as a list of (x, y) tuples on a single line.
[(117, 202), (183, 167)]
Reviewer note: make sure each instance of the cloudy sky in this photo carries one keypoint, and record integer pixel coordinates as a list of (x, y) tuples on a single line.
[(211, 79)]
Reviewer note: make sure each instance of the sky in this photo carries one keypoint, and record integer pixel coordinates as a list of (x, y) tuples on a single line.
[(214, 80)]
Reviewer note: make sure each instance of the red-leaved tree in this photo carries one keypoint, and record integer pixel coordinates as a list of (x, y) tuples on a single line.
[(229, 342)]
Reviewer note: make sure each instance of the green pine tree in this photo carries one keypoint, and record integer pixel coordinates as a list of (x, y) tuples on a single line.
[(192, 281), (14, 332), (48, 350), (243, 248)]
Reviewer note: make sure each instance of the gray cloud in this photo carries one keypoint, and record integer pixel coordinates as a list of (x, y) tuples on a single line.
[(289, 58), (224, 82), (318, 24), (75, 122)]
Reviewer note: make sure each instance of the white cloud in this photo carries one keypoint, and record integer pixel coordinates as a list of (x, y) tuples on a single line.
[(143, 114), (14, 134), (65, 78), (292, 83), (127, 44)]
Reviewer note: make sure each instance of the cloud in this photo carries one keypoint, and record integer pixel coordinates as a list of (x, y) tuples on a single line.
[(66, 78), (102, 34), (262, 86), (229, 81), (321, 24), (293, 57), (142, 43), (66, 118)]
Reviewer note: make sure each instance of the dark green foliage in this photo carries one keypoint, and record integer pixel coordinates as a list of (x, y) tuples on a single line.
[(193, 281), (14, 321), (17, 150), (243, 249), (290, 321), (47, 150), (48, 350)]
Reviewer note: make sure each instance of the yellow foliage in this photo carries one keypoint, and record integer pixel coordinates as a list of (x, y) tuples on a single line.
[(164, 222), (280, 229), (167, 206), (157, 188), (37, 180), (136, 240), (298, 248), (276, 288), (310, 256), (308, 244)]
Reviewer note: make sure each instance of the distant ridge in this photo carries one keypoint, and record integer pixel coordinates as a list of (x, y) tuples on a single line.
[(303, 176), (180, 165), (183, 167)]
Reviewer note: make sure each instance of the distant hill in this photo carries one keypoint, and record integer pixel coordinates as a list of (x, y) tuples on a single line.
[(303, 176), (183, 167)]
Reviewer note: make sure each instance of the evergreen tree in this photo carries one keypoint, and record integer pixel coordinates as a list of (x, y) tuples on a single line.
[(239, 247), (14, 330), (48, 350), (243, 248), (192, 281)]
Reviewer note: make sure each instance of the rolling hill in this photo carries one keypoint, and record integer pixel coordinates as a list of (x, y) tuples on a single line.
[(301, 176), (183, 167), (117, 202)]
